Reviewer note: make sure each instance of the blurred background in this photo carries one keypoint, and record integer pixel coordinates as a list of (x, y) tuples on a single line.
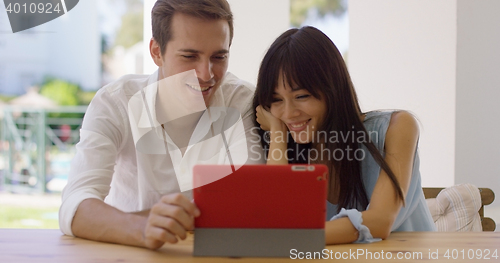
[(437, 59), (50, 73)]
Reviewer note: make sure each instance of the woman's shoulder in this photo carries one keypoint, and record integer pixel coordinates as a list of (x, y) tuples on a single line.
[(403, 127), (403, 116), (391, 122), (389, 116)]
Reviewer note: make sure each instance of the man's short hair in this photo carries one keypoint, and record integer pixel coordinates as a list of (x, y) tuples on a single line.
[(164, 10)]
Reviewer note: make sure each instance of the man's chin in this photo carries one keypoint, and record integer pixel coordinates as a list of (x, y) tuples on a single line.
[(209, 97)]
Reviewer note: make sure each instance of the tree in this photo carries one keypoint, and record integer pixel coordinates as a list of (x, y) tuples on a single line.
[(300, 9), (60, 91), (64, 94), (131, 31)]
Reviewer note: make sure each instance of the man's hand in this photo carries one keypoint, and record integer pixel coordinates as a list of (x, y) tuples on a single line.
[(169, 219)]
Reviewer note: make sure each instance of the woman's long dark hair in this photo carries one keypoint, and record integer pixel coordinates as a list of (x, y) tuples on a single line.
[(308, 59)]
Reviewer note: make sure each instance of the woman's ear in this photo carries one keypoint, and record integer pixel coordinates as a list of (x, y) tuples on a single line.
[(155, 51)]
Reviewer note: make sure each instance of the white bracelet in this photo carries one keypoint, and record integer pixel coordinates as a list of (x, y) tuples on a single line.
[(357, 221)]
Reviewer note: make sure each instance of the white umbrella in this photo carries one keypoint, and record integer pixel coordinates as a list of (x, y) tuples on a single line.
[(33, 99)]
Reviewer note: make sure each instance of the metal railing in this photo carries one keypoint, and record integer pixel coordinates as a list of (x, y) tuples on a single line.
[(37, 146)]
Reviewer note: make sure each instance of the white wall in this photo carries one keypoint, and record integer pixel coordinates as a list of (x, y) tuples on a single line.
[(75, 46), (439, 59), (478, 93), (402, 55), (256, 24), (67, 47), (24, 56)]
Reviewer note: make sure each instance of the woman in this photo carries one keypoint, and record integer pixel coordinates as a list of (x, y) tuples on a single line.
[(306, 103)]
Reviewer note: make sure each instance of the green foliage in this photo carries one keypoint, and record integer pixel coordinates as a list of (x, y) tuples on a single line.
[(6, 98), (85, 97), (300, 9), (62, 92)]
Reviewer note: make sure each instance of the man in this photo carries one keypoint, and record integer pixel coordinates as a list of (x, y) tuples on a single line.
[(141, 135)]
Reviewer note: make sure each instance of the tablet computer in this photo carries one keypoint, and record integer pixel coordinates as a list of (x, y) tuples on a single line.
[(259, 210)]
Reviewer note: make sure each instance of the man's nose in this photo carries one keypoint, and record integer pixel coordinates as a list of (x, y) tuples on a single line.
[(204, 70)]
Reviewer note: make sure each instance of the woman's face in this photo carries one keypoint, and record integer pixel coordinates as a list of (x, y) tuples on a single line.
[(302, 113)]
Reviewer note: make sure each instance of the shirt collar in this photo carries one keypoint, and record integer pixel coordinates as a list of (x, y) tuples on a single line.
[(149, 93)]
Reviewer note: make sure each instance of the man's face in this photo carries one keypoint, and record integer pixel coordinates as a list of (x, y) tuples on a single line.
[(202, 45)]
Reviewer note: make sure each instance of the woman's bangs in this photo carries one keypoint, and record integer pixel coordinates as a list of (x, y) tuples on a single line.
[(299, 75)]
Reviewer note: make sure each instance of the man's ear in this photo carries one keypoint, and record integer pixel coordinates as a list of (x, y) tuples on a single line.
[(155, 51)]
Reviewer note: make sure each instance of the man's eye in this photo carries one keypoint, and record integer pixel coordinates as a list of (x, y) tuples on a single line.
[(220, 57), (188, 56)]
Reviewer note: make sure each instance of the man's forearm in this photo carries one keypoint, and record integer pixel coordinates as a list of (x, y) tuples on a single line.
[(96, 220), (144, 213)]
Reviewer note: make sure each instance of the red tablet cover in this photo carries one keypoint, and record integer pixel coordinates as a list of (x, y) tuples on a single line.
[(261, 196)]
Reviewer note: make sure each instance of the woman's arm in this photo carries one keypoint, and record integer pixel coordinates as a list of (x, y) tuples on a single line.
[(278, 136), (400, 146)]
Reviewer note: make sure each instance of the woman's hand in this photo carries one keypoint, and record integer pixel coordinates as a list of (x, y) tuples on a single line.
[(277, 136), (267, 121)]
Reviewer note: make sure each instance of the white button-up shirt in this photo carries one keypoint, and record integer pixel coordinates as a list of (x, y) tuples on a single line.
[(126, 158)]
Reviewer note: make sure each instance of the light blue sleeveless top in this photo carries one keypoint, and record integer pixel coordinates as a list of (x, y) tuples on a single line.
[(415, 215)]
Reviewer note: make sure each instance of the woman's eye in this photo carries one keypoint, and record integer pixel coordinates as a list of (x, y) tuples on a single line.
[(303, 96), (275, 100)]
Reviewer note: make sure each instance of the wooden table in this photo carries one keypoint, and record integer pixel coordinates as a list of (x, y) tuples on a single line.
[(30, 245)]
